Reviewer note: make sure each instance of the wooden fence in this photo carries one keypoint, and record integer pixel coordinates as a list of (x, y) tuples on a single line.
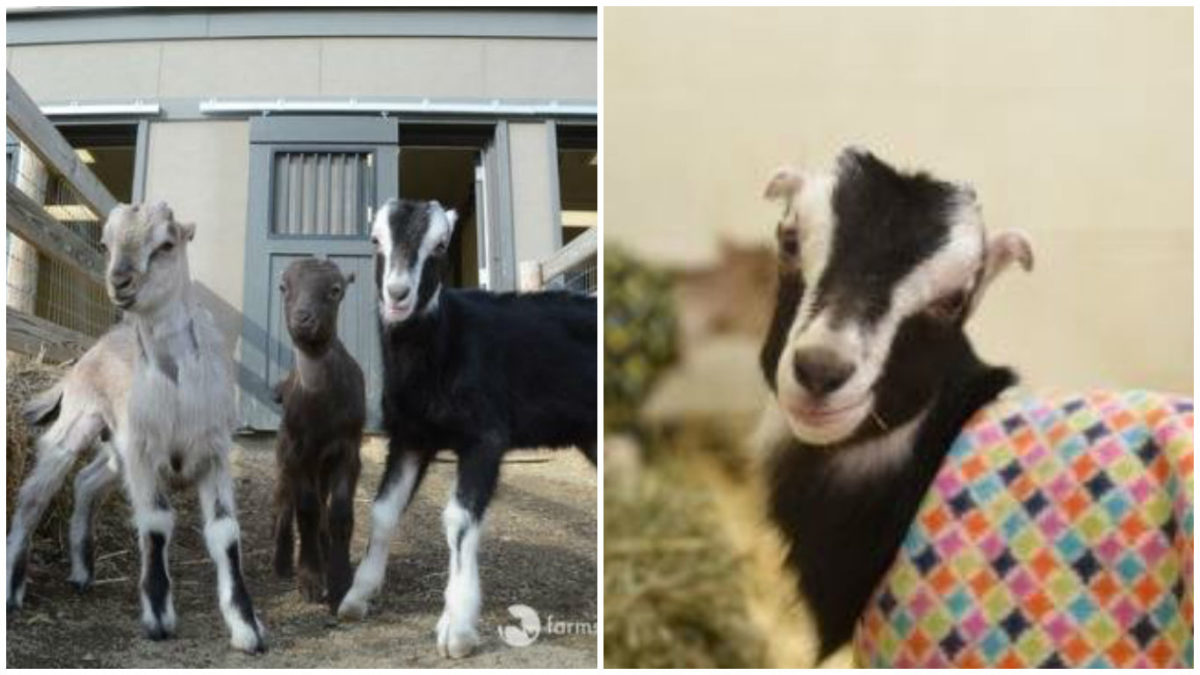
[(46, 245), (572, 267)]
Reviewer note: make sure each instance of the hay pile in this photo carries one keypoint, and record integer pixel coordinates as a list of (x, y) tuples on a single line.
[(673, 593), (26, 377), (693, 572)]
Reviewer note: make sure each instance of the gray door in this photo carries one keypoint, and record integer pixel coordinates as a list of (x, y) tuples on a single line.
[(314, 184)]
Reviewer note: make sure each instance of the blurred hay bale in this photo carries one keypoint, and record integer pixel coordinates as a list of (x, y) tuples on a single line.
[(27, 377), (672, 589), (694, 573)]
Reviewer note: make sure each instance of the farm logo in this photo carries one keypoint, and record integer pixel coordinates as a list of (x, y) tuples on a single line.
[(531, 627)]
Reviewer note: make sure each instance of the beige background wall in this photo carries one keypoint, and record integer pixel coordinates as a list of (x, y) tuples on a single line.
[(202, 169), (434, 67), (1073, 124)]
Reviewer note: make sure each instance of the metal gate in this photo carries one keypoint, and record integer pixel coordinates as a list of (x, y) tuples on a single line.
[(314, 184)]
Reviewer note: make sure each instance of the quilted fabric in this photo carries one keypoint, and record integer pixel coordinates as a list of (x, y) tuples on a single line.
[(1057, 533)]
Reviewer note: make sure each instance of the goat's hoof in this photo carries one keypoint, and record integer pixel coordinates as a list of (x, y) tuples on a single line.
[(249, 641), (159, 633), (352, 609), (16, 596), (455, 642), (311, 589), (81, 583), (283, 568)]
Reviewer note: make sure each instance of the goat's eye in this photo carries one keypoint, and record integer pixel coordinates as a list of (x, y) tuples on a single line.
[(374, 241), (166, 247), (441, 248), (335, 292), (948, 307), (103, 247)]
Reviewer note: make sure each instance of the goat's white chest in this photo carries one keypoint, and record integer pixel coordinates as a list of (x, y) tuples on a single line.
[(180, 411)]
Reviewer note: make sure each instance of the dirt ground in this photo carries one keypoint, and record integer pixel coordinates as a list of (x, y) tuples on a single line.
[(538, 549)]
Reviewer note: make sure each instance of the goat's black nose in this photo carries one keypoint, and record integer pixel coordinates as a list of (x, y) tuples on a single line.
[(821, 371)]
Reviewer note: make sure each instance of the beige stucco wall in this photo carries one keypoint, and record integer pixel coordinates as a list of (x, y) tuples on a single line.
[(532, 201), (471, 68), (1074, 124), (202, 170)]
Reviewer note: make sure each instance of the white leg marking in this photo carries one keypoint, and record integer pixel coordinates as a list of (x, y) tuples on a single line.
[(385, 516), (456, 628), (221, 533)]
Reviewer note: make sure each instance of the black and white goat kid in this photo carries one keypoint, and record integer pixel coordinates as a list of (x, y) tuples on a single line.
[(872, 373), (472, 371)]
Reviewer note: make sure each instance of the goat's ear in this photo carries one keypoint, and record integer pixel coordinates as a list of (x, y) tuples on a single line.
[(350, 278), (452, 218), (784, 184), (1003, 249), (187, 230)]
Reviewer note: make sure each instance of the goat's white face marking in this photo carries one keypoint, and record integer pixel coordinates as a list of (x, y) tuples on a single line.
[(147, 259), (875, 249), (411, 239)]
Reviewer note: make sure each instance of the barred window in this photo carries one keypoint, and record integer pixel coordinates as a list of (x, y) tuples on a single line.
[(322, 193)]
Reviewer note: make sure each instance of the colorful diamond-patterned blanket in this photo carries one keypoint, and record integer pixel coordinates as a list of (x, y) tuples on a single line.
[(1058, 532)]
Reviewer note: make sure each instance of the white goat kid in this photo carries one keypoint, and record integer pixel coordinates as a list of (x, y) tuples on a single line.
[(159, 386)]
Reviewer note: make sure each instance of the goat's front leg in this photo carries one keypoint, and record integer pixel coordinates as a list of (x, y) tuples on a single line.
[(401, 478), (155, 522), (342, 482), (309, 507), (92, 484), (56, 453), (285, 509), (222, 536), (478, 472)]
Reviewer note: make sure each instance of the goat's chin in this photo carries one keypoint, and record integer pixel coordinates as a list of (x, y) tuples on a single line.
[(825, 428), (394, 316)]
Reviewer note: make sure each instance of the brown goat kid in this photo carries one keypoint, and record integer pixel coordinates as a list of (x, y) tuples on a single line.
[(324, 409)]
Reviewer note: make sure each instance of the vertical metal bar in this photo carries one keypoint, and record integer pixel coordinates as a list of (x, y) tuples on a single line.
[(141, 154), (321, 217), (295, 189), (555, 188)]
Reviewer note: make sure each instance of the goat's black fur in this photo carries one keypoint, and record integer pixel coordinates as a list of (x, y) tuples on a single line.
[(485, 372)]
